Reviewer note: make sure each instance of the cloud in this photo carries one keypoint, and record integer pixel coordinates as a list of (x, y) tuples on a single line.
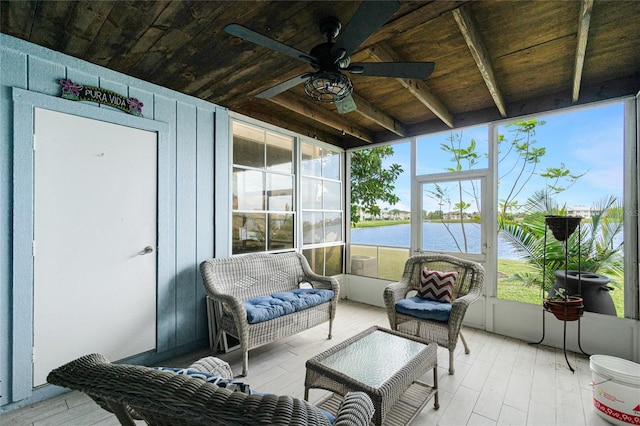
[(610, 179), (598, 151)]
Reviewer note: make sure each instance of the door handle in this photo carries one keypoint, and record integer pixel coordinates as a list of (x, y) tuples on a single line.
[(147, 250)]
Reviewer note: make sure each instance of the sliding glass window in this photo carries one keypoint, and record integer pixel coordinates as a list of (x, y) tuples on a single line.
[(287, 195), (263, 190), (322, 208)]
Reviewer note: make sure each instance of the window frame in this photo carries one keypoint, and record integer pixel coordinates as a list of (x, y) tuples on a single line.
[(480, 175), (297, 210)]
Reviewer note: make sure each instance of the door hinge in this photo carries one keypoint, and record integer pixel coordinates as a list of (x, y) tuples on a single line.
[(33, 248)]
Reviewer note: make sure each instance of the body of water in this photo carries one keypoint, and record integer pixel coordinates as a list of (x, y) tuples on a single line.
[(435, 237)]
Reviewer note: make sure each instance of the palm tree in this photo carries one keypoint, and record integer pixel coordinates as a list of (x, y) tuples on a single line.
[(598, 252)]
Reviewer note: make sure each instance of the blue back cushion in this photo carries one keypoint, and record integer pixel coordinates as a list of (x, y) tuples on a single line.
[(424, 308)]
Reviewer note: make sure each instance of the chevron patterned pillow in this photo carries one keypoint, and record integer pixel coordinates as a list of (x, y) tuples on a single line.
[(436, 285)]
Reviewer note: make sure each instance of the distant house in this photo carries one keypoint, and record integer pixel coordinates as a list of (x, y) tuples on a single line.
[(455, 215), (582, 211), (396, 214), (386, 214)]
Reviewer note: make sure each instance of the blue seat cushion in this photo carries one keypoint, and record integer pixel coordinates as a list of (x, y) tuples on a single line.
[(424, 308), (303, 298), (265, 308)]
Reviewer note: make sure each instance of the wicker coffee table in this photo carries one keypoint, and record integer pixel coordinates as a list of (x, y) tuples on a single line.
[(383, 363)]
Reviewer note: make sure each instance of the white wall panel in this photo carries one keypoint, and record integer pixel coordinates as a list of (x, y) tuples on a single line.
[(186, 232), (600, 334), (44, 76), (187, 154), (17, 62)]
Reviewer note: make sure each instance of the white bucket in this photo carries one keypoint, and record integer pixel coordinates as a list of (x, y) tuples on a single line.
[(616, 389)]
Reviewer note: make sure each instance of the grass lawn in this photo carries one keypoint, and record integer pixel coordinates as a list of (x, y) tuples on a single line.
[(392, 266), (519, 292), (374, 223), (510, 289)]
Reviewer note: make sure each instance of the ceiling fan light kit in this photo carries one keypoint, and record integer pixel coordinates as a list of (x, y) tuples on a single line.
[(328, 86)]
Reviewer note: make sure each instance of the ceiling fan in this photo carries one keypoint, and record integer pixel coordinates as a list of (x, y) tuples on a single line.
[(327, 83)]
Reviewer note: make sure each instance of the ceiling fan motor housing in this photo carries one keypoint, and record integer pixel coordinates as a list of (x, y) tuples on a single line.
[(330, 27), (326, 61)]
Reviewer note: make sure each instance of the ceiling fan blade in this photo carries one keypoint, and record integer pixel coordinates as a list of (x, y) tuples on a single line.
[(413, 70), (282, 87), (264, 41), (370, 16)]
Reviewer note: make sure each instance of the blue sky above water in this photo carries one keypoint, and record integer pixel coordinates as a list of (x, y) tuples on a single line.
[(587, 141)]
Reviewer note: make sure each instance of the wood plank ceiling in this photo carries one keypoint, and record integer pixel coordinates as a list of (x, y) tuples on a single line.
[(494, 59)]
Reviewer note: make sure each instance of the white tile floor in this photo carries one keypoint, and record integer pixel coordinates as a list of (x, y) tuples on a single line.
[(503, 381)]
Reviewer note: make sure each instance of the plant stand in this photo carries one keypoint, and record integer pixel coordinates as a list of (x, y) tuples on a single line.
[(564, 339), (572, 308)]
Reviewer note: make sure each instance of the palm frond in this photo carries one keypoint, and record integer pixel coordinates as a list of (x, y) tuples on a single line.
[(595, 248)]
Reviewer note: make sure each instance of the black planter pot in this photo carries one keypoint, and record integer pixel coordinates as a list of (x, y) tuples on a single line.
[(594, 290), (562, 226)]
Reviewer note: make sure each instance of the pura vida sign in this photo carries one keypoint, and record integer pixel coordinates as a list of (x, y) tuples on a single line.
[(78, 92)]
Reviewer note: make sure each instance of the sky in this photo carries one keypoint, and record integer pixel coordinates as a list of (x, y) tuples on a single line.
[(588, 141)]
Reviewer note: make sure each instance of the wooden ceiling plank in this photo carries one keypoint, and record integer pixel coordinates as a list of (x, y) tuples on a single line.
[(583, 33), (84, 24), (383, 53), (308, 109), (50, 23), (480, 55), (244, 55), (126, 23), (373, 113), (187, 41), (421, 16), (18, 18)]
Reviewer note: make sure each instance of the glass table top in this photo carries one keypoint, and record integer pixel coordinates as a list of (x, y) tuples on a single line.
[(374, 358)]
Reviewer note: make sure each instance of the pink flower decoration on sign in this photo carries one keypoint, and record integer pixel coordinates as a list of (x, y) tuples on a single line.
[(70, 88), (135, 105)]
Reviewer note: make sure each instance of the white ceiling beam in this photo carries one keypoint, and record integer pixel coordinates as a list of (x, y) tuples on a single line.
[(383, 53), (480, 55), (322, 115), (583, 34), (373, 113)]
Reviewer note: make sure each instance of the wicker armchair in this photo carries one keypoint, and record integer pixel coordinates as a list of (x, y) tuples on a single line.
[(468, 289), (166, 398)]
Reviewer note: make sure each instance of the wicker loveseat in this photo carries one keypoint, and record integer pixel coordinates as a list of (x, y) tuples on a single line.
[(134, 392), (232, 283)]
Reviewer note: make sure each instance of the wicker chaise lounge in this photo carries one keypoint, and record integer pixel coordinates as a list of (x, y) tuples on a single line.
[(166, 398), (230, 282)]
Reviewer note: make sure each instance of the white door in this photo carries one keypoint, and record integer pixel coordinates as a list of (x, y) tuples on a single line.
[(95, 239)]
